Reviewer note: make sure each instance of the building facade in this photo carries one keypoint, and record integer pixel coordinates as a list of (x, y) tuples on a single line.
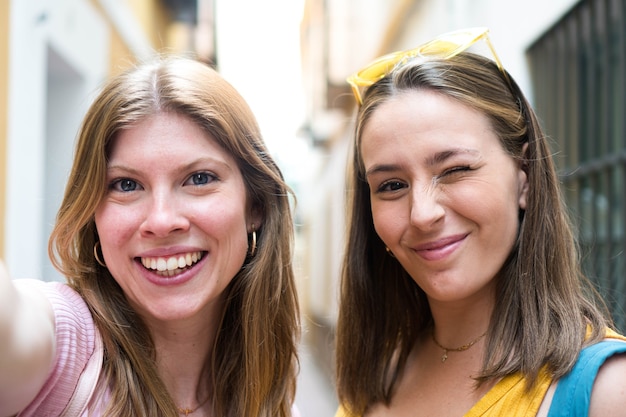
[(54, 55)]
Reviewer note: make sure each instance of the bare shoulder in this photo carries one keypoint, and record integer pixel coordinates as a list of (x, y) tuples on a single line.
[(608, 396)]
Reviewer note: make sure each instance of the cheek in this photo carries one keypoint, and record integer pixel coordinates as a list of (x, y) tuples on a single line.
[(498, 215), (220, 216), (114, 225), (491, 212), (225, 222), (388, 221)]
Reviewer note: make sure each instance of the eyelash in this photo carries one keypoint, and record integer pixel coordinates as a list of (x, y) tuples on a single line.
[(456, 170)]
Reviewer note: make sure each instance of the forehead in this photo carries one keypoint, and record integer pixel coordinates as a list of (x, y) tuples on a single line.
[(165, 136), (423, 117)]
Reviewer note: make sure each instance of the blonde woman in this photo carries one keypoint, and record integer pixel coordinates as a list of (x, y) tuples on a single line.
[(175, 235)]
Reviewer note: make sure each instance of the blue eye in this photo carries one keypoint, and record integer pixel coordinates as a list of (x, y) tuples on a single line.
[(200, 178), (124, 185)]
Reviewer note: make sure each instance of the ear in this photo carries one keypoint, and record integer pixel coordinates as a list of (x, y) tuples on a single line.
[(522, 177), (255, 219)]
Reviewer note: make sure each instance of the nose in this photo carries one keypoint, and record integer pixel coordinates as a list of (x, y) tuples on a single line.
[(164, 215), (426, 207)]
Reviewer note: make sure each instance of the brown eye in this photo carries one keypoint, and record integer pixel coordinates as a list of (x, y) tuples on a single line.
[(391, 186)]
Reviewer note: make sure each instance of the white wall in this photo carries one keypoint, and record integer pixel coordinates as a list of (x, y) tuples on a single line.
[(58, 55), (514, 26)]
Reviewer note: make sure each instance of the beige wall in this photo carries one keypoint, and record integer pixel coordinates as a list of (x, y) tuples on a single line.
[(4, 76)]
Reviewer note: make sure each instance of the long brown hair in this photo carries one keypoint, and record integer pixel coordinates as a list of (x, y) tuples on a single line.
[(544, 303), (254, 359)]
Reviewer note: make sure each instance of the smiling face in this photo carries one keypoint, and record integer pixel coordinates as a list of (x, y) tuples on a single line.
[(174, 222), (445, 196)]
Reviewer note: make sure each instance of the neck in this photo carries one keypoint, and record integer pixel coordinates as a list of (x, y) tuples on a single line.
[(457, 324), (183, 353)]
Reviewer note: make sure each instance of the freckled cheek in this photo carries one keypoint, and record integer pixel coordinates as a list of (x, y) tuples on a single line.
[(220, 219), (115, 226)]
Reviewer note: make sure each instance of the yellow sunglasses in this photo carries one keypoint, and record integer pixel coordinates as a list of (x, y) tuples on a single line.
[(442, 47)]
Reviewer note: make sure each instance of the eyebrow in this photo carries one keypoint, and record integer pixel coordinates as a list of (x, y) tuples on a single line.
[(186, 167), (442, 156), (432, 160)]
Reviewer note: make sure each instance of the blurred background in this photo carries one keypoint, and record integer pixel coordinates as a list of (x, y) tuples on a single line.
[(289, 59)]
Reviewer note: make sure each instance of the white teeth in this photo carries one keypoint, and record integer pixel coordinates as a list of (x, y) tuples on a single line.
[(170, 265), (161, 264)]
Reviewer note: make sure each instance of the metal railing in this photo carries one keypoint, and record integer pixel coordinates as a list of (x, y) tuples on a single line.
[(579, 78)]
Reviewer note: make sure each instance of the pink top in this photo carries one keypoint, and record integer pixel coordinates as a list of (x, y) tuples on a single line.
[(75, 343)]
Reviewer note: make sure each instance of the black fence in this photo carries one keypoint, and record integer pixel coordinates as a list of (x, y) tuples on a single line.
[(579, 79)]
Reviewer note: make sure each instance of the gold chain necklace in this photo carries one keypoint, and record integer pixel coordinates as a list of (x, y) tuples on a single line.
[(459, 349), (187, 411)]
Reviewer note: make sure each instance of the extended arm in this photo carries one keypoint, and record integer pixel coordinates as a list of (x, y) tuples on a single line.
[(27, 344)]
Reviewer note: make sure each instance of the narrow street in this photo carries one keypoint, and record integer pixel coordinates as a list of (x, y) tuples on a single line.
[(316, 393)]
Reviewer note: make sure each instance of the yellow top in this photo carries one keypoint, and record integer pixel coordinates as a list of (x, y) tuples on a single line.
[(509, 396)]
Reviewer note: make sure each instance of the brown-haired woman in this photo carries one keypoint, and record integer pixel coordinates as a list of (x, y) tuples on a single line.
[(461, 291), (175, 235)]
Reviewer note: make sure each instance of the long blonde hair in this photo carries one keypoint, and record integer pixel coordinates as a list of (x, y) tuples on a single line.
[(544, 301), (254, 359)]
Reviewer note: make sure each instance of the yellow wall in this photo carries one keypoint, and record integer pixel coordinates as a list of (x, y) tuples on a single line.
[(119, 53), (154, 21), (4, 77)]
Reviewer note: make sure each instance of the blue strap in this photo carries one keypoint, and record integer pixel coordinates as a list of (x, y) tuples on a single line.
[(573, 391)]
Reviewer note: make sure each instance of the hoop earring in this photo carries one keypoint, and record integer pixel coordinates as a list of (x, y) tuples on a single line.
[(389, 252), (95, 255), (253, 244)]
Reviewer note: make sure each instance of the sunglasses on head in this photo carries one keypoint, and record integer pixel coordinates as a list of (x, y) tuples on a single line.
[(442, 47)]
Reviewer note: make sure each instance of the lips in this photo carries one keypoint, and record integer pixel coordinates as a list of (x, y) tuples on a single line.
[(440, 248)]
